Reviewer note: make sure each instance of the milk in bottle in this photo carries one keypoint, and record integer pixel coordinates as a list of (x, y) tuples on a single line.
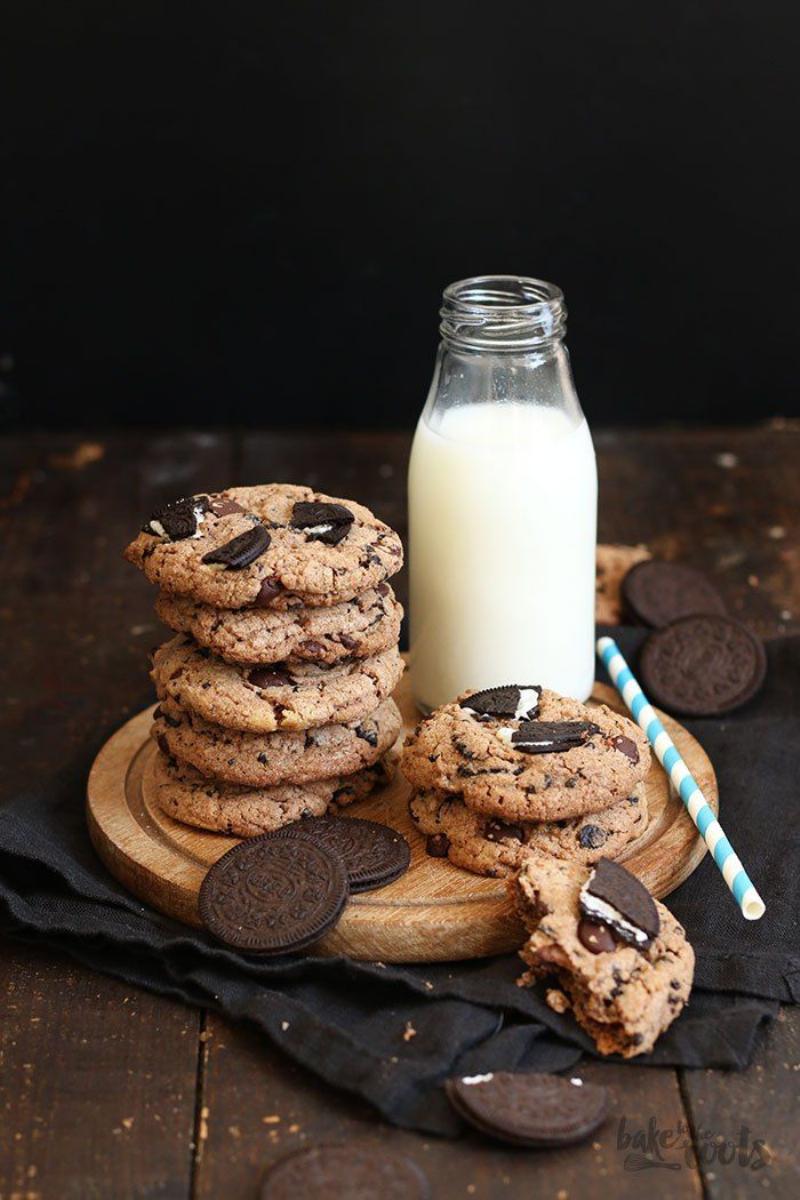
[(502, 501)]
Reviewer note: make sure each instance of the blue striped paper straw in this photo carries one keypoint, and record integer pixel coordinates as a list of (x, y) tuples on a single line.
[(685, 784)]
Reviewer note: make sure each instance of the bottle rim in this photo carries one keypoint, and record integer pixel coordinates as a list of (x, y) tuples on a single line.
[(502, 312)]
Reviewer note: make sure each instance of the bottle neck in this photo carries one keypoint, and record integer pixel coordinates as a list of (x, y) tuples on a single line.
[(502, 314)]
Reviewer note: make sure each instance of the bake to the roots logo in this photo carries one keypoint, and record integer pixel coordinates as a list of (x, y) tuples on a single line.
[(648, 1147)]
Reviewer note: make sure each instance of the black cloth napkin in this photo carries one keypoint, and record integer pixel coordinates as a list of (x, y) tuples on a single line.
[(345, 1021)]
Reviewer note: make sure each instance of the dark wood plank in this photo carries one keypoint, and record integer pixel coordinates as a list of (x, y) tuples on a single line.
[(97, 1084), (247, 1085), (727, 500), (731, 1111), (105, 1104)]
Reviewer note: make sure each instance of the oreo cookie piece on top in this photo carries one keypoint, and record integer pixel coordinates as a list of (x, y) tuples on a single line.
[(327, 523), (178, 520), (240, 551), (549, 737), (520, 701), (612, 896)]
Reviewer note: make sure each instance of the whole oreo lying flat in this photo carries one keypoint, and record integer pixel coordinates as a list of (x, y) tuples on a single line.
[(655, 593), (240, 551), (178, 520), (348, 1172), (373, 854), (612, 896), (273, 894), (702, 666), (550, 737), (520, 701), (328, 523), (529, 1110)]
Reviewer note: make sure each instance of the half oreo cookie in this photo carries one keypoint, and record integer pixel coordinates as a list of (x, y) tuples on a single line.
[(615, 898)]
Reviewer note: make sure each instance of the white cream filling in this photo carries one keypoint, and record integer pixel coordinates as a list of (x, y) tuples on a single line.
[(317, 528), (528, 700), (593, 906), (469, 1080)]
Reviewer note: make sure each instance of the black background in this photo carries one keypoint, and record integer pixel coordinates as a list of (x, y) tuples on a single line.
[(244, 213)]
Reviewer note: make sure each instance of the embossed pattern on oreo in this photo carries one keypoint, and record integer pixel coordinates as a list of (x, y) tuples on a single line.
[(529, 1109), (273, 894), (373, 854), (350, 1172), (702, 666)]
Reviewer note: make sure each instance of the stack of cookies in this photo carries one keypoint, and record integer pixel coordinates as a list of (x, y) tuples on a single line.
[(509, 770), (275, 694)]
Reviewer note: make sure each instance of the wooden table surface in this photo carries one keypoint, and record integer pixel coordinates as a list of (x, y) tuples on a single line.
[(111, 1092)]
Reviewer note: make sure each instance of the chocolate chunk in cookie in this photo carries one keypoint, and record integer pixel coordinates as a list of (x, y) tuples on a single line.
[(702, 666), (612, 896), (519, 701), (178, 520), (328, 523), (626, 746), (655, 593), (240, 551), (437, 845), (223, 506), (267, 677), (529, 1109), (549, 737), (356, 1171), (273, 894), (597, 938)]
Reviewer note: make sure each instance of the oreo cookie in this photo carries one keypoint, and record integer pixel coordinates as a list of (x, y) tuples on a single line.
[(346, 1172), (240, 551), (518, 701), (373, 854), (613, 897), (328, 523), (273, 894), (529, 1110), (550, 737), (702, 666), (656, 593), (179, 520)]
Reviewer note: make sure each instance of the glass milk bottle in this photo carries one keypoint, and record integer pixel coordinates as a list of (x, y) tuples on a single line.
[(502, 501)]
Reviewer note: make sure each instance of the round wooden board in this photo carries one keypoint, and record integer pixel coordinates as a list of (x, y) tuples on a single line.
[(435, 912)]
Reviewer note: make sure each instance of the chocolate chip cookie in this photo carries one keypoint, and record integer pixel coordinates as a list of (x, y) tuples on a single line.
[(263, 698), (271, 546), (187, 796), (524, 753), (260, 760), (612, 565), (359, 628), (621, 960), (488, 846)]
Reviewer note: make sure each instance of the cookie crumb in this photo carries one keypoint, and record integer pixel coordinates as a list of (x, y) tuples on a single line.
[(409, 1033), (557, 1000)]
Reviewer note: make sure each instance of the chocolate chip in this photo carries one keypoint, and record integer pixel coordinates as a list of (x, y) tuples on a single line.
[(240, 551), (268, 677), (496, 830), (630, 903), (223, 506), (596, 938), (314, 649), (163, 744), (437, 845), (591, 837), (626, 746), (328, 523), (675, 984), (513, 700), (382, 589), (349, 643), (178, 520), (368, 735), (270, 588), (262, 758), (552, 737)]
